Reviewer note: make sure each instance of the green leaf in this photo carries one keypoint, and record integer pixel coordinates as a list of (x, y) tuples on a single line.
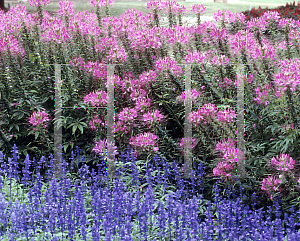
[(15, 114), (74, 129), (21, 116), (31, 57), (10, 127), (45, 99), (36, 134), (66, 146), (80, 128), (17, 127), (72, 124)]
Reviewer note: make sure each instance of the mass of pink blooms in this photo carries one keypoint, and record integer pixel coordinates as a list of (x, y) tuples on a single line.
[(134, 27)]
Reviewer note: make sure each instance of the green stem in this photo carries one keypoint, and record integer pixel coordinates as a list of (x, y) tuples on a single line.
[(156, 18), (180, 19), (171, 23), (99, 16), (198, 19), (291, 106), (286, 32)]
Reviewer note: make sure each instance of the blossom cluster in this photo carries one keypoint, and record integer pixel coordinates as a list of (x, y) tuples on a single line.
[(193, 95), (66, 8), (96, 98), (153, 117), (144, 141), (283, 162), (54, 30), (167, 63), (198, 8), (101, 3), (36, 3), (188, 140), (208, 112), (102, 146), (270, 185), (96, 69), (39, 118), (229, 156)]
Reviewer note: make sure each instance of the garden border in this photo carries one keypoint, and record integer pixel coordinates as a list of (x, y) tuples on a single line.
[(110, 121)]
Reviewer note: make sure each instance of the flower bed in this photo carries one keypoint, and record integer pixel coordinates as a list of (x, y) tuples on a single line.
[(151, 99), (85, 206)]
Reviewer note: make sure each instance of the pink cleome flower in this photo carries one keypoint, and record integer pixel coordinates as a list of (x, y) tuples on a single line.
[(96, 98), (144, 140), (38, 118), (36, 3), (270, 184), (222, 169), (283, 163)]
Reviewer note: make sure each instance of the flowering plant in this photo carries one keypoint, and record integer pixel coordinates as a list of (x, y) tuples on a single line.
[(152, 76)]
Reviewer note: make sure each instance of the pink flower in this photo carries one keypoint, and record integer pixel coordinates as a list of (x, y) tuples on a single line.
[(101, 3), (166, 63), (270, 184), (196, 57), (289, 75), (12, 104), (225, 84), (54, 30), (220, 60), (197, 8), (127, 115), (96, 98), (176, 35), (101, 147), (224, 145), (287, 127), (36, 3), (152, 117), (155, 5), (144, 140), (8, 42), (66, 8), (222, 169), (231, 154), (204, 115), (38, 118), (147, 77), (192, 144), (142, 103), (117, 55), (242, 40), (174, 6), (95, 120), (226, 116), (283, 163), (193, 95), (262, 95)]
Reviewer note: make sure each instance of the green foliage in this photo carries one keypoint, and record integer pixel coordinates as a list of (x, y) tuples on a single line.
[(32, 86)]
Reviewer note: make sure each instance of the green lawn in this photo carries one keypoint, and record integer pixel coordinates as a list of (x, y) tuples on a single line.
[(120, 7)]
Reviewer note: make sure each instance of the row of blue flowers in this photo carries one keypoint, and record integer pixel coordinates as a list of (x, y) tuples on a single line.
[(85, 206)]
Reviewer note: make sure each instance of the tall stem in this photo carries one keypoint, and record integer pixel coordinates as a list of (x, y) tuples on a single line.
[(99, 16), (240, 121)]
